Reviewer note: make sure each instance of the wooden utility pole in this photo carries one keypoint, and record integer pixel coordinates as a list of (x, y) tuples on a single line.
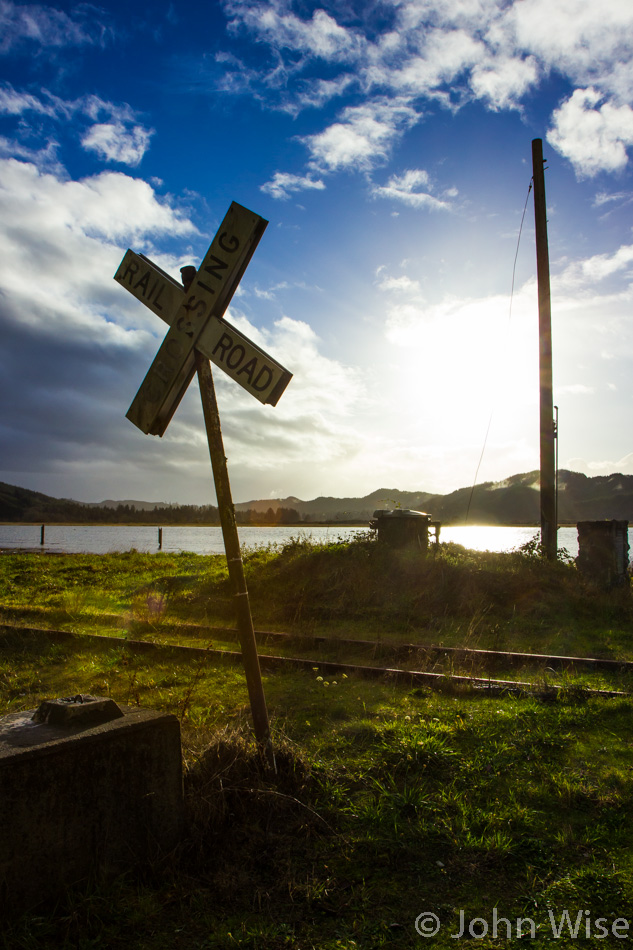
[(549, 527)]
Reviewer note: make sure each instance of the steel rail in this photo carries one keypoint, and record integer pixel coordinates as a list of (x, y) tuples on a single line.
[(273, 663), (515, 658)]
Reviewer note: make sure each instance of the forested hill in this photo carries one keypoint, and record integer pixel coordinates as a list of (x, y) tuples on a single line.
[(515, 500), (21, 504)]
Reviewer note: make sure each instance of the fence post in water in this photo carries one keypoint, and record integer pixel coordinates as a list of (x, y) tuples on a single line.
[(160, 539), (42, 535)]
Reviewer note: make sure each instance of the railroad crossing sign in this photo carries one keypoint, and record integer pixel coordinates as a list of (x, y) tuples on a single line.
[(198, 333), (195, 319)]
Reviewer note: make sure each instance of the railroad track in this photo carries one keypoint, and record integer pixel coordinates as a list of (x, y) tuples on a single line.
[(271, 663), (380, 647)]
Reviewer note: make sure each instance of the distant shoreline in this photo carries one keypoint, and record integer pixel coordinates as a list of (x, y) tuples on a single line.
[(180, 524), (512, 503), (303, 525)]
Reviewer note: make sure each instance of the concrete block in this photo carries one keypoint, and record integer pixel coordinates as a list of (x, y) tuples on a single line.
[(603, 552), (80, 800)]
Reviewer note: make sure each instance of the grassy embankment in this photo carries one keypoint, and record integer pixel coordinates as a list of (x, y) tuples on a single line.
[(389, 802)]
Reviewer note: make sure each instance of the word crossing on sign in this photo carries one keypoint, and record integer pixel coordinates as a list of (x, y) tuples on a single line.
[(207, 298), (256, 371)]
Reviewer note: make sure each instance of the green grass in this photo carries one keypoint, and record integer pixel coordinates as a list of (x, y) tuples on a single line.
[(358, 589), (388, 802)]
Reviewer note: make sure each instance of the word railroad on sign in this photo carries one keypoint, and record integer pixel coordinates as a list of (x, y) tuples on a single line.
[(195, 319), (198, 333)]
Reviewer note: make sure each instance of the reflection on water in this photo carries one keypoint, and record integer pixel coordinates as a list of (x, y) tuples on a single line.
[(493, 538), (99, 539)]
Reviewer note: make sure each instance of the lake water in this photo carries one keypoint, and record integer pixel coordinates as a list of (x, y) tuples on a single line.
[(99, 539)]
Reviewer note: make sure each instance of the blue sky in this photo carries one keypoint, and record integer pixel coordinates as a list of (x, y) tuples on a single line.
[(389, 146)]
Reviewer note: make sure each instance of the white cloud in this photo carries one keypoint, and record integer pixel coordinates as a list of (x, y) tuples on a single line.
[(271, 292), (434, 58), (75, 345), (402, 284), (363, 137), (604, 198), (63, 234), (585, 41), (593, 136), (321, 36), (318, 92), (503, 81), (601, 266), (623, 466), (470, 14), (585, 273), (451, 51), (13, 102), (283, 184), (321, 387), (46, 158), (116, 143), (406, 188), (30, 23), (120, 138)]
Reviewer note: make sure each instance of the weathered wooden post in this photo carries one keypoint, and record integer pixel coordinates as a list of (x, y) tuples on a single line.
[(42, 533), (199, 333), (549, 526), (160, 539), (234, 561)]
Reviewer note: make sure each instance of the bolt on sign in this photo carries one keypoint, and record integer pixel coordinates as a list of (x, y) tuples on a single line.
[(198, 333), (195, 319)]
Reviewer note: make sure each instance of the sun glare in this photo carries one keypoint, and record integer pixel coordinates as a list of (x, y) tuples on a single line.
[(458, 361)]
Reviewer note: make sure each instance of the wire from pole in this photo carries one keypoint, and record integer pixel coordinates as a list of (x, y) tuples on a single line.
[(514, 268)]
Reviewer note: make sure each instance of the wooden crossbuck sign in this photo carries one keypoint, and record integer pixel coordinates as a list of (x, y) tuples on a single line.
[(198, 333), (195, 318)]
